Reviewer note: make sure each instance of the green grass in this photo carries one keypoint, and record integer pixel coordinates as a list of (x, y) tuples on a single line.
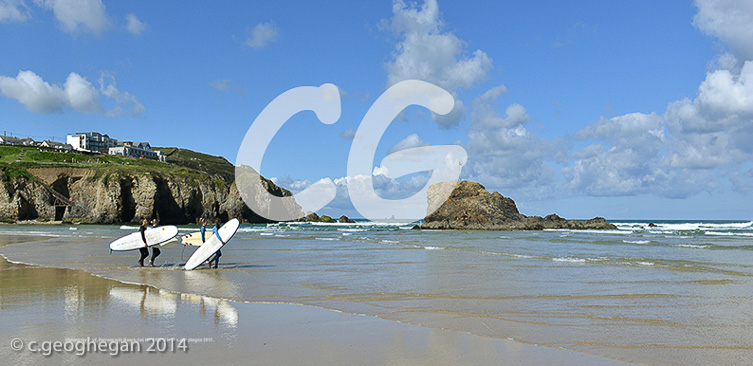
[(200, 162), (9, 154), (12, 172), (189, 164)]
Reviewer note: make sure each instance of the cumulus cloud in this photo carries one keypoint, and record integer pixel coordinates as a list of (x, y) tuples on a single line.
[(428, 53), (13, 11), (76, 93), (693, 147), (411, 141), (348, 134), (226, 85), (503, 153), (385, 187), (262, 35), (135, 26), (126, 103), (729, 20), (623, 161), (33, 92), (81, 94), (76, 16)]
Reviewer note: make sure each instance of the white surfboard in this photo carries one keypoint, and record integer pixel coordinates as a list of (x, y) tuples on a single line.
[(154, 236), (194, 239), (169, 242), (212, 244)]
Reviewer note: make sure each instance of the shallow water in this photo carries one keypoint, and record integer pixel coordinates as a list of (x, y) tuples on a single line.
[(677, 293)]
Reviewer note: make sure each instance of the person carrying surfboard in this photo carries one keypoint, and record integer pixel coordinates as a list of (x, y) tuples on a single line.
[(145, 250), (203, 229), (155, 250), (218, 254)]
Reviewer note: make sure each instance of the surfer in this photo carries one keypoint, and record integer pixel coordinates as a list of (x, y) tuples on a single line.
[(218, 254), (155, 250), (145, 250), (203, 229)]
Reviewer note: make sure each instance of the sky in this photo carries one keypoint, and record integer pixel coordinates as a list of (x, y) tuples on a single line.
[(627, 110)]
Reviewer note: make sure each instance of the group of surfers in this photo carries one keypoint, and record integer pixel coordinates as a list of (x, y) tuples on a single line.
[(156, 251)]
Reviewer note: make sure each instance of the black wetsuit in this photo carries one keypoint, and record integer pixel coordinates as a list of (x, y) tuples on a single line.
[(144, 250), (155, 252)]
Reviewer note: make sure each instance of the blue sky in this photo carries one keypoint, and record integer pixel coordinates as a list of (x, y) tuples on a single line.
[(637, 109)]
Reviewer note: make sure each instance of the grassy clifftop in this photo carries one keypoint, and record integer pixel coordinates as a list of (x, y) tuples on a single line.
[(15, 160)]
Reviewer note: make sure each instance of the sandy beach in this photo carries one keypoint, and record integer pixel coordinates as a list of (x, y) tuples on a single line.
[(46, 304)]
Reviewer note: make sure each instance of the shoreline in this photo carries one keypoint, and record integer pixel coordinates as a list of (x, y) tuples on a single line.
[(293, 332)]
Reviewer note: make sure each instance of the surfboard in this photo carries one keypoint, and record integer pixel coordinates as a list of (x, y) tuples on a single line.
[(169, 242), (154, 236), (194, 239), (212, 244)]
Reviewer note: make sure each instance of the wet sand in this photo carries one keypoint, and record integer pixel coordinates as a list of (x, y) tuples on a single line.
[(45, 304)]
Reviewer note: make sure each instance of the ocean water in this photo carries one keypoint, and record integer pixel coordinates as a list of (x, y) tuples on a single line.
[(677, 293)]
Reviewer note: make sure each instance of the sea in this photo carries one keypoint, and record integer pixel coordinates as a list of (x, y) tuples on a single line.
[(651, 291)]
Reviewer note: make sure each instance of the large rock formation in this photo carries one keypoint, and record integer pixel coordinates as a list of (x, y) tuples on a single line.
[(108, 197), (471, 207)]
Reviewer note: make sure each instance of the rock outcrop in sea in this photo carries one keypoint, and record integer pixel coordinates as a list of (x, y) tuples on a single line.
[(471, 207)]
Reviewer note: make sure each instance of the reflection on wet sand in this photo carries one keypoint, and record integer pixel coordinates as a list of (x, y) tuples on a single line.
[(39, 303), (24, 286)]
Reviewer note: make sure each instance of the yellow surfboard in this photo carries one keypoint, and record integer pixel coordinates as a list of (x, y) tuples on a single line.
[(194, 239)]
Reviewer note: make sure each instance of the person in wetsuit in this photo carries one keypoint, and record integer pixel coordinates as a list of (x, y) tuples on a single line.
[(203, 230), (155, 249), (145, 250), (218, 254)]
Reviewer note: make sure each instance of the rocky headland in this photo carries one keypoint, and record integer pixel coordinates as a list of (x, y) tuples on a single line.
[(471, 207), (76, 188)]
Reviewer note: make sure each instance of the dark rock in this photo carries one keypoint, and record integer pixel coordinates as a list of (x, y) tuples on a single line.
[(415, 227), (471, 207), (651, 224), (345, 220), (325, 218), (310, 217)]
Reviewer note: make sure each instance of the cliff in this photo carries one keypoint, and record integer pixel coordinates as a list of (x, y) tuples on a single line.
[(471, 207), (109, 190)]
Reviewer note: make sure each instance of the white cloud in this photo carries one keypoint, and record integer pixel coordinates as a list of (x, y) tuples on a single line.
[(695, 146), (428, 53), (127, 103), (81, 95), (348, 134), (226, 85), (33, 92), (79, 15), (13, 11), (76, 93), (626, 159), (411, 141), (262, 35), (135, 26), (503, 153), (729, 20)]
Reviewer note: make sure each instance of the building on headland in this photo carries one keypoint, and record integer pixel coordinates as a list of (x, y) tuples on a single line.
[(91, 142), (139, 150), (54, 145), (10, 140)]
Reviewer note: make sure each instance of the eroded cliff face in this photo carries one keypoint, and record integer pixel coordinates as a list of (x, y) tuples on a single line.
[(471, 207), (124, 198)]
